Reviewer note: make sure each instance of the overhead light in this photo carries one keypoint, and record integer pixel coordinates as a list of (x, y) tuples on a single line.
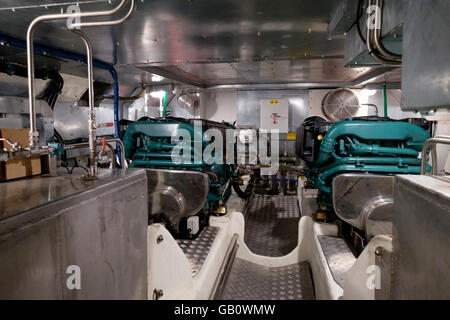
[(156, 78), (364, 95), (158, 94)]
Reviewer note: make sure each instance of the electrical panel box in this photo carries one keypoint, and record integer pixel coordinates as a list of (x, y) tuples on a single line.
[(275, 115)]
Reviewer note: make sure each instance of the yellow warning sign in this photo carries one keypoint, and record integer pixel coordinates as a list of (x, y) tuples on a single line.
[(273, 101), (291, 136)]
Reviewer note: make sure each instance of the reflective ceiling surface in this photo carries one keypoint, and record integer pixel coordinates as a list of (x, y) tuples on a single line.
[(207, 41)]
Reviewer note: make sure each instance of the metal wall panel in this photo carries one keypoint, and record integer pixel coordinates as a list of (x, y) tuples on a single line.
[(426, 71), (30, 267), (100, 226), (421, 238), (71, 121)]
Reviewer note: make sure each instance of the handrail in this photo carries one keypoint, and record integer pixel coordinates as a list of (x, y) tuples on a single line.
[(433, 142)]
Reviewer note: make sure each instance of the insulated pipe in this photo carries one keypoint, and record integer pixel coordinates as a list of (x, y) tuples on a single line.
[(377, 35), (34, 134), (92, 124)]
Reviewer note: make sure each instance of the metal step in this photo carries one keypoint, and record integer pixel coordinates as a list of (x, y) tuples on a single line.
[(197, 250)]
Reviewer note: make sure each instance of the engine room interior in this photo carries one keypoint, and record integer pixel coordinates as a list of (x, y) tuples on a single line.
[(225, 150)]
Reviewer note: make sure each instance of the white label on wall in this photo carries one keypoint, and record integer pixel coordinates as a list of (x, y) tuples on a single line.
[(275, 115)]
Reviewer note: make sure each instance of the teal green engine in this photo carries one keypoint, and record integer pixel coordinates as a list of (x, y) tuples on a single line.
[(179, 144), (363, 145)]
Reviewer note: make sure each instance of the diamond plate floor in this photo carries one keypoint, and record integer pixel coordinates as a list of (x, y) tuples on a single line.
[(197, 250), (339, 257), (271, 225), (249, 281)]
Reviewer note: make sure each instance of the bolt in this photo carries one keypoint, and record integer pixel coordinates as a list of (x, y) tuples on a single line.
[(157, 294), (159, 239), (379, 252)]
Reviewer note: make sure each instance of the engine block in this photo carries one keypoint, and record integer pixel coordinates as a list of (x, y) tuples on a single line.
[(360, 145)]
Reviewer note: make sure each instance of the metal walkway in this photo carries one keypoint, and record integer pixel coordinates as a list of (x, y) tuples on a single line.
[(197, 250), (339, 257), (249, 281), (271, 225)]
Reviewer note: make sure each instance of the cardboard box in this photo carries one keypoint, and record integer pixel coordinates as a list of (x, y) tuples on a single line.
[(18, 168)]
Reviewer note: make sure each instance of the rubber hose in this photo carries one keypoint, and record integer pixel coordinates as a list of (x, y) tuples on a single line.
[(244, 195)]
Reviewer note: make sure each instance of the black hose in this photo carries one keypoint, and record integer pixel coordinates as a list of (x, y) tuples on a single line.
[(242, 194), (358, 25)]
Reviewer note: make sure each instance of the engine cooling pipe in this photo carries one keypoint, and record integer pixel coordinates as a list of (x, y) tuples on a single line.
[(383, 169), (362, 149), (414, 135), (361, 161), (34, 134)]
